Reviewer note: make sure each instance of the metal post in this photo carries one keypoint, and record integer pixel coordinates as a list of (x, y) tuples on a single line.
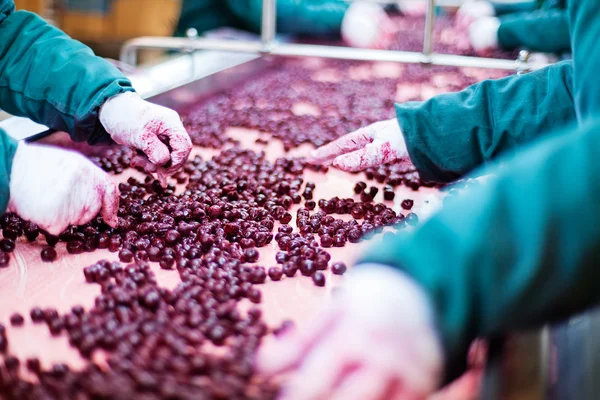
[(269, 24), (429, 25), (523, 62), (192, 34)]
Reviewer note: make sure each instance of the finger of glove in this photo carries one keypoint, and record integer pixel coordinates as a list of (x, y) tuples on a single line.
[(181, 145), (141, 161), (324, 367), (162, 176), (366, 383), (110, 204), (347, 143), (156, 151), (86, 200), (54, 227), (373, 155), (287, 352)]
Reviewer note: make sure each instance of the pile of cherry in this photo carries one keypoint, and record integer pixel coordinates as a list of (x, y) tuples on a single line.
[(196, 341), (159, 341)]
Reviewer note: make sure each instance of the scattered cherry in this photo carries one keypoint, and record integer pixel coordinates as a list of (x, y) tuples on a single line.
[(17, 319), (407, 204), (338, 268), (48, 254)]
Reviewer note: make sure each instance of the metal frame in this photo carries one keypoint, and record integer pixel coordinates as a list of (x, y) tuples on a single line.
[(268, 45)]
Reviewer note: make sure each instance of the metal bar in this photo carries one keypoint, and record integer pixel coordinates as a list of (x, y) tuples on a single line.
[(292, 49), (130, 48), (269, 24), (308, 50), (429, 25)]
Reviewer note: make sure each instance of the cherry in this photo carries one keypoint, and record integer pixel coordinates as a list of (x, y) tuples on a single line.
[(17, 319), (338, 268), (407, 204), (319, 278)]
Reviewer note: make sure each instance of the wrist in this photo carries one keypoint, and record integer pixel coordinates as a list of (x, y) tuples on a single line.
[(116, 105), (403, 144)]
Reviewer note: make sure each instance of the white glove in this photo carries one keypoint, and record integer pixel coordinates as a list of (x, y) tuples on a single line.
[(412, 8), (132, 121), (483, 33), (376, 340), (373, 145), (55, 188), (472, 11), (367, 25)]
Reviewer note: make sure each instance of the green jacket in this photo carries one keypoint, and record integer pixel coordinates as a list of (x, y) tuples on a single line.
[(306, 17), (504, 8), (53, 80), (524, 249), (537, 26)]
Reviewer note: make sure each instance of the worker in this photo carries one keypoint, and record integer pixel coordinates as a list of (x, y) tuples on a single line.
[(58, 82), (360, 24), (518, 252), (539, 26)]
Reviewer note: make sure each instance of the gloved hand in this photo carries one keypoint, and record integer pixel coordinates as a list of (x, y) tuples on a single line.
[(483, 33), (471, 11), (367, 25), (132, 121), (376, 340), (55, 188), (378, 143), (413, 8)]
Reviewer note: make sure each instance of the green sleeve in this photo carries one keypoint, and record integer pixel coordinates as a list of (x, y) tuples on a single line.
[(510, 8), (307, 17), (519, 251), (205, 15), (8, 146), (545, 31), (584, 20), (52, 79), (451, 134), (523, 249)]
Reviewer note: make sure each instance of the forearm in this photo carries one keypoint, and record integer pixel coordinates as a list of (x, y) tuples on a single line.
[(52, 79), (546, 31), (584, 21), (520, 251), (451, 134)]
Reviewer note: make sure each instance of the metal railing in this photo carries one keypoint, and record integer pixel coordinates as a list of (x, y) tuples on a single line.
[(268, 45)]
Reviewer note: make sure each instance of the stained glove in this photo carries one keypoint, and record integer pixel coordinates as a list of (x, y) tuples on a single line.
[(483, 33), (471, 11), (132, 121), (367, 25), (376, 340), (378, 143), (55, 188)]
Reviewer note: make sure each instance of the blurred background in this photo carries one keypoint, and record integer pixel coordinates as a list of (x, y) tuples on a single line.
[(105, 24)]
